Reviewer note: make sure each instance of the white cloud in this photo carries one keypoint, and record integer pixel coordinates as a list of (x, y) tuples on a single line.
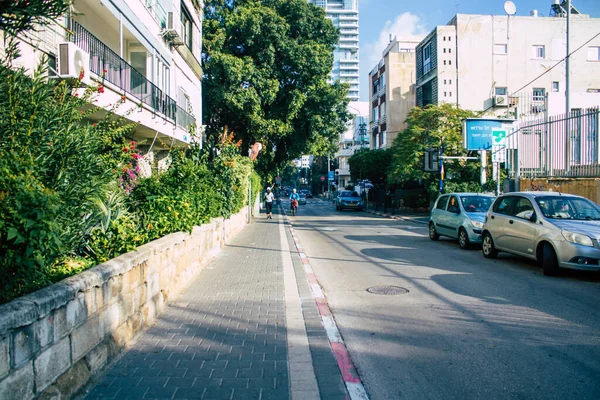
[(405, 26)]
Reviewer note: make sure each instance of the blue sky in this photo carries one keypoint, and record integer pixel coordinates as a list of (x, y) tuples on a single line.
[(401, 18)]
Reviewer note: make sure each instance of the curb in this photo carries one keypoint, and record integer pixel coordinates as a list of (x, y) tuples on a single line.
[(354, 385)]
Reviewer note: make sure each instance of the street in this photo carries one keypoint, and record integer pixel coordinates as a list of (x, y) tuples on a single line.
[(468, 328)]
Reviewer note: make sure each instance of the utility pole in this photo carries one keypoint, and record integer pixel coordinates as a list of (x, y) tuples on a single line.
[(568, 92)]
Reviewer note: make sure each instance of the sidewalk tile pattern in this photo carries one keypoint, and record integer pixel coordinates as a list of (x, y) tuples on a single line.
[(223, 338)]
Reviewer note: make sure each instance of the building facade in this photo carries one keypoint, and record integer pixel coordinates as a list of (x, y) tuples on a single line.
[(144, 54), (391, 92), (355, 137), (490, 62), (344, 15)]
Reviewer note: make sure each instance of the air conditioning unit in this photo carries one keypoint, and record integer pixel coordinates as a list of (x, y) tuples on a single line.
[(73, 62), (172, 32), (501, 101)]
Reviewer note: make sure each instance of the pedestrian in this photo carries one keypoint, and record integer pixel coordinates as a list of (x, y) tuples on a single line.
[(269, 198)]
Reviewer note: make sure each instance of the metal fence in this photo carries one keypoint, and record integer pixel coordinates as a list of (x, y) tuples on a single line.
[(558, 146), (106, 63)]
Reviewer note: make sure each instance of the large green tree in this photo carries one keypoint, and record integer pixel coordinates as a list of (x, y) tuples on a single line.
[(266, 65), (17, 16), (431, 127), (370, 164)]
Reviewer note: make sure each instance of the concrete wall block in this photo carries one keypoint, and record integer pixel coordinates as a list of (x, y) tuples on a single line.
[(126, 307), (86, 337), (4, 356), (112, 317), (51, 298), (18, 385), (52, 363), (153, 285), (44, 331), (131, 279), (122, 335), (17, 313), (136, 323), (97, 358), (24, 346), (115, 286), (148, 312), (76, 312), (69, 383)]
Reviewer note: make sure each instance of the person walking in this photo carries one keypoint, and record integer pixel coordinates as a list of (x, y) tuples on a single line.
[(269, 198)]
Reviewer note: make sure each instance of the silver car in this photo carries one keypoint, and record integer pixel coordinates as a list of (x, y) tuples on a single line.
[(459, 216), (558, 230)]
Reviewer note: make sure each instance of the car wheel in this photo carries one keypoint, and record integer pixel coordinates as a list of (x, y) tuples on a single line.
[(433, 235), (487, 247), (463, 239), (549, 262)]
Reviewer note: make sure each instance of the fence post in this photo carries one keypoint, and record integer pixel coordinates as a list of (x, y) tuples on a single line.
[(550, 150)]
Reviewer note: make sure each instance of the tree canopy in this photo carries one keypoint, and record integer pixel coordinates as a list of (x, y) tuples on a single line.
[(430, 127), (22, 15), (266, 65), (370, 164)]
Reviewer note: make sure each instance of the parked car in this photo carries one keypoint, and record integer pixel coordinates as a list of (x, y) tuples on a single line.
[(348, 199), (301, 199), (557, 230), (459, 216)]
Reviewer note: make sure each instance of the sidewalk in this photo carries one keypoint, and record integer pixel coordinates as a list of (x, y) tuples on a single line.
[(228, 335)]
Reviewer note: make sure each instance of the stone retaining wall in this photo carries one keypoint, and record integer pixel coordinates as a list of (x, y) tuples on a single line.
[(52, 341)]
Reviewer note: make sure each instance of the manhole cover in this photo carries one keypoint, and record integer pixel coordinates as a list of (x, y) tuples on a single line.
[(388, 290)]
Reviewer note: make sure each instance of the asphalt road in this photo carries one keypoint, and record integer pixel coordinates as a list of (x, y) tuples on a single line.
[(469, 327)]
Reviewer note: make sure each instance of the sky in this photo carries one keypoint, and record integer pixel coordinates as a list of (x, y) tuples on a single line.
[(405, 19)]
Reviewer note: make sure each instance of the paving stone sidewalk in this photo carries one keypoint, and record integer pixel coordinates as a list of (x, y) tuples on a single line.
[(225, 336)]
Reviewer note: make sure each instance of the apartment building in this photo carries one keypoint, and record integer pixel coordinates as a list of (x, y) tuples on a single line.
[(355, 137), (144, 53), (344, 15), (501, 63), (391, 92)]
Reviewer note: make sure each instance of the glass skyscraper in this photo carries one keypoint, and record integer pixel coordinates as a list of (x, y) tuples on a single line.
[(344, 15)]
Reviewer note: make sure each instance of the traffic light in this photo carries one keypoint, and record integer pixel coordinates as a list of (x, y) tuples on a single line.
[(431, 160)]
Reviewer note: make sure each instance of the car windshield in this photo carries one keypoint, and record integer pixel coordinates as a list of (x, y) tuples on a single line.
[(347, 193), (476, 203), (565, 207)]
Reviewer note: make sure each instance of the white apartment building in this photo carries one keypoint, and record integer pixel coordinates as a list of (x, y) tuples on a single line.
[(391, 92), (143, 52), (489, 62), (344, 15), (354, 138)]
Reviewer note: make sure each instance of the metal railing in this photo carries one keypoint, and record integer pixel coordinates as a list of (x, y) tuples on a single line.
[(107, 64), (559, 146)]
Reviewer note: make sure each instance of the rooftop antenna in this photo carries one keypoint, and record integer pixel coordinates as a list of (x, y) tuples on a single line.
[(510, 8)]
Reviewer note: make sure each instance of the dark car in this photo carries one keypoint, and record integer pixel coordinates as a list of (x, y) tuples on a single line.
[(348, 199)]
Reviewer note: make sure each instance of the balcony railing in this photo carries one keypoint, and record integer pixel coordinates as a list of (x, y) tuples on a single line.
[(105, 63)]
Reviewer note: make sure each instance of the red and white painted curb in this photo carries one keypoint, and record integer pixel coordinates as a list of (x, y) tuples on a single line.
[(354, 385)]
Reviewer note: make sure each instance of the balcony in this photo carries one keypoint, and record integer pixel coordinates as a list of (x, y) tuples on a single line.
[(381, 91), (375, 97), (105, 63), (381, 120)]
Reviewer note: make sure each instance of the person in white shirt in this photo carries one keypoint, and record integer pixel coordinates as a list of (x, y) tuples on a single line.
[(269, 198)]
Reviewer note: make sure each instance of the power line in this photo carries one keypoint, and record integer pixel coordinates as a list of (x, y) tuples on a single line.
[(548, 70)]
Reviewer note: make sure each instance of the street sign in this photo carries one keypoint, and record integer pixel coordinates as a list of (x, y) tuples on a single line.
[(431, 160), (322, 178), (477, 132), (498, 145), (330, 175)]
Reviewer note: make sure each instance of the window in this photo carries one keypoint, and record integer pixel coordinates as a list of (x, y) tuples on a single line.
[(555, 86), (442, 201), (450, 50), (444, 50), (427, 58), (500, 49), (186, 27), (500, 91), (450, 81), (444, 38), (450, 94), (539, 94), (522, 207), (444, 62), (449, 62), (504, 205), (444, 94), (538, 51), (449, 38), (444, 81), (453, 206), (593, 53)]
